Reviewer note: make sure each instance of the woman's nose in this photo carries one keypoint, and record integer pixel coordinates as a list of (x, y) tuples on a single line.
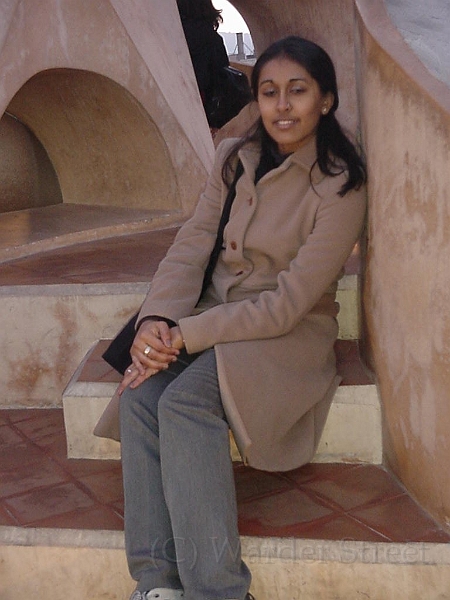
[(283, 103)]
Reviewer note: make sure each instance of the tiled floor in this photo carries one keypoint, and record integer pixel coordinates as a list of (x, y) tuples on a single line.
[(131, 258), (40, 487)]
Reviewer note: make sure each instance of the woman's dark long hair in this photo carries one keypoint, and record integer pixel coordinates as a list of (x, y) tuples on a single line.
[(200, 9), (335, 152)]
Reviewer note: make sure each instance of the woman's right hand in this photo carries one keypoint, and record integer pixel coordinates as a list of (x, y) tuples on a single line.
[(151, 352)]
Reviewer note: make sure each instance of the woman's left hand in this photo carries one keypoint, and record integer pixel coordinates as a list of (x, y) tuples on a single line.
[(133, 377), (137, 374)]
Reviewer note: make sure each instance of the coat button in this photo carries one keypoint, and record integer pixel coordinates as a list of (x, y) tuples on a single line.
[(233, 245)]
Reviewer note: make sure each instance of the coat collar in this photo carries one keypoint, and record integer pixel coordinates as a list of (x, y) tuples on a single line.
[(304, 157)]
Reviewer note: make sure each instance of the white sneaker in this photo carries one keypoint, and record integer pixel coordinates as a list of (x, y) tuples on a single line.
[(158, 594)]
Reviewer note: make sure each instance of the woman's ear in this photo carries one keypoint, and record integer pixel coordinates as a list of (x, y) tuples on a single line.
[(327, 102)]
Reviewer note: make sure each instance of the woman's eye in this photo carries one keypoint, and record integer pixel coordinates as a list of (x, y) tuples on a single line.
[(298, 90), (269, 93)]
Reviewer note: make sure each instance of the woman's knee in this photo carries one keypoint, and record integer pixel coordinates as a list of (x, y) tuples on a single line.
[(138, 402)]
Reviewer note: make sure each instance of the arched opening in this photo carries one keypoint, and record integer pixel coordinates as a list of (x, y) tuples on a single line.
[(235, 32), (104, 147)]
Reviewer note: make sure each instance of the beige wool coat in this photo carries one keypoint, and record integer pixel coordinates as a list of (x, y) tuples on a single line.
[(270, 313)]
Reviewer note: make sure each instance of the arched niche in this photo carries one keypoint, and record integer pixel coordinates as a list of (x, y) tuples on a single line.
[(27, 176), (105, 148)]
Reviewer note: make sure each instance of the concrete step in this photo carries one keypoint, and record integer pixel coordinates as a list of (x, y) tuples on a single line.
[(352, 432), (65, 564), (84, 293)]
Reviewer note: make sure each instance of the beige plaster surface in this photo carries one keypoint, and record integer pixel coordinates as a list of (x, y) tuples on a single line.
[(46, 330), (111, 95), (68, 565), (27, 177), (406, 124), (352, 432), (46, 333)]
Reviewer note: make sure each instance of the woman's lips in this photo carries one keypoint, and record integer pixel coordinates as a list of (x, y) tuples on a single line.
[(284, 123)]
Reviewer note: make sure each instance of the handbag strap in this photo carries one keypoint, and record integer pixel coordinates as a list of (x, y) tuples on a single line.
[(224, 217)]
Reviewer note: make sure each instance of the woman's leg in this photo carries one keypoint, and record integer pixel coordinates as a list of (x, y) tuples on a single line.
[(198, 485), (148, 533)]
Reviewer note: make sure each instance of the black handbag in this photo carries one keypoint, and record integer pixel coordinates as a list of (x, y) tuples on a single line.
[(231, 93), (118, 352)]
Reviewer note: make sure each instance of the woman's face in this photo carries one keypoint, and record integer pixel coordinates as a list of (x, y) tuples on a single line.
[(290, 103)]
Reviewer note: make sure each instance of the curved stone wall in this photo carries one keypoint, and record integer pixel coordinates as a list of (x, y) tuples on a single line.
[(406, 125), (111, 95), (104, 146), (110, 91), (27, 176)]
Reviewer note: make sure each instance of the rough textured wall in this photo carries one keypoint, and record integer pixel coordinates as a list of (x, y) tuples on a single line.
[(128, 98), (406, 124), (27, 177), (425, 31), (105, 147)]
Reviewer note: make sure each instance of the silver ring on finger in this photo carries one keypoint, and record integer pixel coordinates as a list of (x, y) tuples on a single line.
[(147, 350)]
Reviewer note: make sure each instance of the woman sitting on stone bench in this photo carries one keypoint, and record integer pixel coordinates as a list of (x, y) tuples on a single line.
[(255, 352)]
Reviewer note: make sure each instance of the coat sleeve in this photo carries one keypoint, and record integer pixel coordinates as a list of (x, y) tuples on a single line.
[(315, 268), (177, 283)]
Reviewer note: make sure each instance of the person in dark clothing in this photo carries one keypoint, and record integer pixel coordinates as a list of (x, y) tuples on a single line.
[(200, 21)]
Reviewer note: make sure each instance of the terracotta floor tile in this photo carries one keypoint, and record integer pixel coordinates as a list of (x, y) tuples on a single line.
[(357, 487), (6, 518), (318, 471), (435, 536), (19, 455), (39, 474), (9, 437), (118, 507), (252, 484), (136, 258), (4, 417), (54, 445), (105, 486), (47, 423), (43, 503), (15, 415), (40, 486), (279, 513), (341, 528), (399, 519), (79, 468), (95, 518)]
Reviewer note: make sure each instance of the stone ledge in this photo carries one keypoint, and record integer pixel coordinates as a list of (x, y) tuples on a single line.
[(353, 431), (68, 565)]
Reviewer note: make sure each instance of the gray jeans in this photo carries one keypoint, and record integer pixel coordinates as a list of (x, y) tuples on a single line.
[(180, 501)]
